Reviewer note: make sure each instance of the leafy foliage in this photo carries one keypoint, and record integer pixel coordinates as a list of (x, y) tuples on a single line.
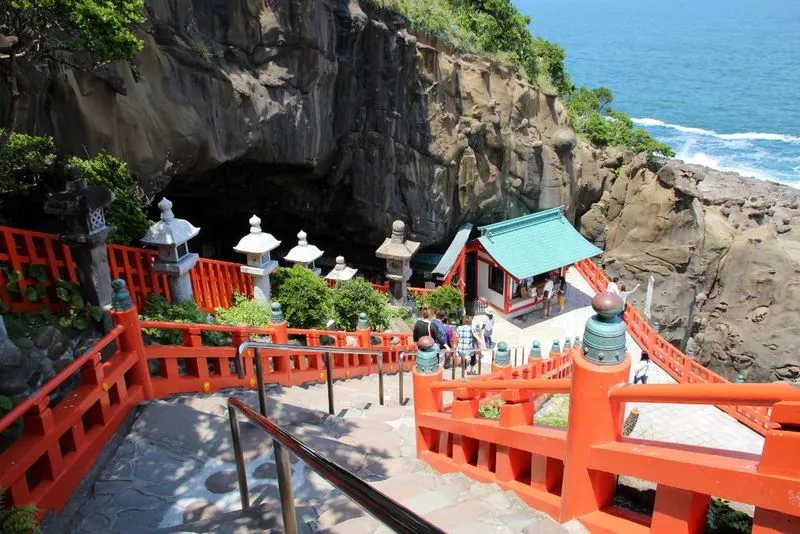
[(23, 160), (494, 27), (722, 519), (354, 296), (305, 298), (591, 116), (490, 410), (446, 298), (17, 519), (127, 210), (78, 312), (157, 308), (244, 312)]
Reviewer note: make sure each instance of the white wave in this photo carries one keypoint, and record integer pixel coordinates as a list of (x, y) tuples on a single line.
[(720, 163), (745, 136)]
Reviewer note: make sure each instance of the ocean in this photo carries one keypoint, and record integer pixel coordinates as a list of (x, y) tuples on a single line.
[(718, 80)]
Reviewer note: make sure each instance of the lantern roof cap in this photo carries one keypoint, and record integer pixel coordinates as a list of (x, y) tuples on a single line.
[(303, 252), (257, 241), (169, 230), (341, 271), (77, 197), (397, 247)]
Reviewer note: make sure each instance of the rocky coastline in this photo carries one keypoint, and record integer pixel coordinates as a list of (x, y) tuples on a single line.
[(724, 251)]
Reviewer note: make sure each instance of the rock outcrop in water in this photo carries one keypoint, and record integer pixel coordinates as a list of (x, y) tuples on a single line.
[(725, 254), (329, 110)]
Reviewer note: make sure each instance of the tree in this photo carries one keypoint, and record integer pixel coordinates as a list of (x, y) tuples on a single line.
[(446, 298), (79, 33), (305, 298), (354, 296)]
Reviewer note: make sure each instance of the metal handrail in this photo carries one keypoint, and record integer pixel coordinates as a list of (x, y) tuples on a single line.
[(383, 508), (256, 345)]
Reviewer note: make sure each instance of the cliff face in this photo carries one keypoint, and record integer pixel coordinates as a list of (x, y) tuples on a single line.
[(725, 254), (326, 110)]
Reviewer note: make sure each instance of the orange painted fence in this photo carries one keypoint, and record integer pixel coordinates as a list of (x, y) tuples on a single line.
[(678, 365), (61, 441), (21, 249), (572, 473), (213, 282)]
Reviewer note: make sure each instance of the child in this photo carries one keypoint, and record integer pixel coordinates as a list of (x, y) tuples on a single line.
[(640, 374)]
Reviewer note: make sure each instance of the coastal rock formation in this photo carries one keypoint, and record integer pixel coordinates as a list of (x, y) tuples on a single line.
[(331, 111), (725, 255)]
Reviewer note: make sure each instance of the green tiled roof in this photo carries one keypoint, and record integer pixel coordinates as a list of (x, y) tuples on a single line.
[(451, 254), (535, 243)]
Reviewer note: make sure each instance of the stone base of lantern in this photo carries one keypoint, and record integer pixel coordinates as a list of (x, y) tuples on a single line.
[(94, 275), (178, 278), (261, 289)]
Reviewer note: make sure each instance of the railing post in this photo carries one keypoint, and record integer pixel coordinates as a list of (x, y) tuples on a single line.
[(501, 362), (280, 335), (425, 373), (130, 340), (364, 337), (593, 419), (780, 458)]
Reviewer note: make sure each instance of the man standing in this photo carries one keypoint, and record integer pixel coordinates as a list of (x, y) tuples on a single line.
[(613, 287), (625, 294), (548, 298), (488, 328)]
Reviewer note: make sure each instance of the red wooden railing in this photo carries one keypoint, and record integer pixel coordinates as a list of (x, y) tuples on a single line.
[(682, 368), (572, 473), (19, 249), (213, 282)]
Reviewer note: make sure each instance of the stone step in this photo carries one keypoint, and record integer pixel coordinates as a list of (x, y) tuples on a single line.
[(263, 518)]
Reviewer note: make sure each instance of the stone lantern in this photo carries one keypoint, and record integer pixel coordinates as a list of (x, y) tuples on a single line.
[(398, 251), (171, 236), (257, 245), (304, 253), (341, 272), (82, 209)]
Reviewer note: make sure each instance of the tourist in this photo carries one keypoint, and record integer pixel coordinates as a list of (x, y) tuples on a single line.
[(625, 294), (488, 328), (426, 327), (562, 295), (449, 334), (613, 287), (548, 298), (466, 341), (640, 374), (440, 322)]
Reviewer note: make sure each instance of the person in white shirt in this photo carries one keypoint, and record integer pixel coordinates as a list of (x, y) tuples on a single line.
[(613, 287), (548, 298), (640, 373), (625, 294)]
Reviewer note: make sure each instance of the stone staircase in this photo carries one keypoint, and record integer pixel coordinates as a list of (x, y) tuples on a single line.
[(174, 471)]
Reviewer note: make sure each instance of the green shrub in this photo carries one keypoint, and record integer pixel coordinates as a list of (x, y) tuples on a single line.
[(199, 48), (591, 117), (354, 296), (722, 519), (305, 298), (17, 519), (157, 308), (23, 160), (244, 312), (127, 211), (446, 298), (490, 410)]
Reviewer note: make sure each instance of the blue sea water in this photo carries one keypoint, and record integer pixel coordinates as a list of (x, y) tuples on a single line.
[(718, 80)]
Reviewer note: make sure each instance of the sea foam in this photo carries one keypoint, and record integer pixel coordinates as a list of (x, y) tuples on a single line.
[(745, 136)]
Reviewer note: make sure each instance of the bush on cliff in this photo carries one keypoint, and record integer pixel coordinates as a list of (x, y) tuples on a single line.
[(354, 296), (31, 170), (591, 116)]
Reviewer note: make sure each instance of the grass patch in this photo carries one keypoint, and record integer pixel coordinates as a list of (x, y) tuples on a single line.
[(555, 412), (490, 410)]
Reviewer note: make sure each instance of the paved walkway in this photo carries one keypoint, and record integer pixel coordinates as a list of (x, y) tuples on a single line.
[(676, 423), (174, 472)]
